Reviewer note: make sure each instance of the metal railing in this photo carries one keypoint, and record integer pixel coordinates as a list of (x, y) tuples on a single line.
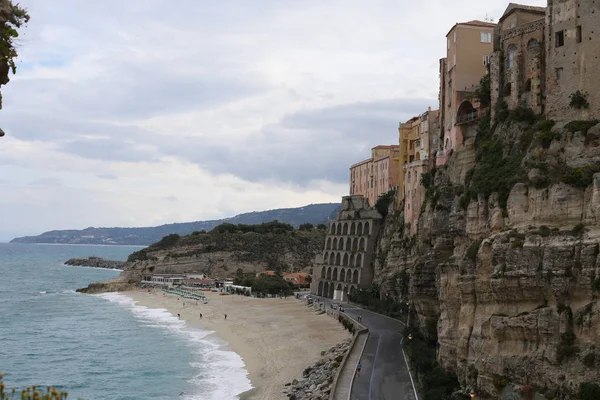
[(471, 116)]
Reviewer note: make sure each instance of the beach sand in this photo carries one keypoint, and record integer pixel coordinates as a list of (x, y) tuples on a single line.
[(276, 338)]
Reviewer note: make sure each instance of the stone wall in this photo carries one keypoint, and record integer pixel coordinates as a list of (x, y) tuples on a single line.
[(573, 64)]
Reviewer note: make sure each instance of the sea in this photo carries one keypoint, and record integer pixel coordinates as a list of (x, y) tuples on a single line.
[(104, 346)]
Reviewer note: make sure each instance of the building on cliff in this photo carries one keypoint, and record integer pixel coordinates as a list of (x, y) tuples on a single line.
[(547, 58), (468, 49), (377, 175), (347, 260), (418, 144)]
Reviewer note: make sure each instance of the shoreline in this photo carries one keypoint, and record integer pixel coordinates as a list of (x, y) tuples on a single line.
[(277, 339)]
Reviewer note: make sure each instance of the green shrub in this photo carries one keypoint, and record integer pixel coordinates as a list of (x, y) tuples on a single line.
[(579, 100), (384, 201), (546, 138), (544, 231), (589, 391), (580, 126), (523, 114), (500, 381), (580, 177), (589, 360), (306, 227), (473, 250), (578, 229), (516, 244), (596, 285), (463, 202), (427, 178), (483, 92), (566, 348)]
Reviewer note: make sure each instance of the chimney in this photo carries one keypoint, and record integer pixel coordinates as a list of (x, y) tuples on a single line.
[(429, 109)]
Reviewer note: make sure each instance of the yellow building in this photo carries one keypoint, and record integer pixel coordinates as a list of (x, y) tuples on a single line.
[(377, 175)]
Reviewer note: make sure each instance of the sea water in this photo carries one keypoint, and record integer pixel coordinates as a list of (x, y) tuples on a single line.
[(105, 346)]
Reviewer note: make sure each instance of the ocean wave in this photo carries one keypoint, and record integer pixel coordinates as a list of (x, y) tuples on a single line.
[(219, 374)]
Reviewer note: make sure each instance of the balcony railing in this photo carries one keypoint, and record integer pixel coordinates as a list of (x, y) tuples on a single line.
[(468, 117)]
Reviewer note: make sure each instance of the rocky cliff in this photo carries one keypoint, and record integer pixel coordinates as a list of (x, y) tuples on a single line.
[(504, 269), (224, 251), (95, 262)]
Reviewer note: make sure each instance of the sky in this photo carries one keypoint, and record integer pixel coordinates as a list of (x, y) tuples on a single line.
[(144, 112)]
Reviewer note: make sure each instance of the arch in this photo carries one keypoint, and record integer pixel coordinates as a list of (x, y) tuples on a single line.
[(512, 55), (331, 228), (353, 228), (334, 277), (320, 290), (466, 112), (328, 246), (325, 289), (323, 272), (326, 258), (353, 289), (339, 289), (341, 244), (331, 258), (448, 144), (345, 229), (352, 260), (338, 229), (345, 293), (329, 273), (337, 259), (528, 85), (348, 244), (417, 158), (361, 244), (355, 244), (330, 291), (343, 275), (345, 261), (359, 228), (358, 261), (334, 243), (366, 231), (533, 45), (349, 276), (355, 276)]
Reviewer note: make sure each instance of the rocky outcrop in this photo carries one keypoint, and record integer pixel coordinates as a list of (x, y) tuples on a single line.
[(317, 380), (115, 285), (507, 282), (96, 262)]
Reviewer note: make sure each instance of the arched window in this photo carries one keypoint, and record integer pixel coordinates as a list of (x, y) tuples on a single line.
[(359, 229), (328, 247), (338, 259), (512, 54), (332, 229), (355, 277), (334, 243), (533, 45), (353, 229), (348, 244), (355, 244), (367, 231), (334, 276), (339, 229), (342, 275), (323, 273), (341, 244), (361, 244), (528, 85), (359, 261), (351, 262), (345, 262), (331, 258), (329, 273), (345, 231), (326, 258)]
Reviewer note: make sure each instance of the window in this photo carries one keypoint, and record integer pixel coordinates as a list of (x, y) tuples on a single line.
[(486, 37), (579, 34), (533, 45), (454, 59), (448, 44), (559, 40), (512, 51), (454, 37), (559, 74), (486, 60)]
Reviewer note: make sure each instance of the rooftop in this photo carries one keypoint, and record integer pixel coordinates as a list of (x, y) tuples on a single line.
[(512, 7), (475, 22)]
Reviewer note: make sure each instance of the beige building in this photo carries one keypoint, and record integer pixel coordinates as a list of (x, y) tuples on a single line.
[(418, 144), (518, 65), (468, 49), (377, 175)]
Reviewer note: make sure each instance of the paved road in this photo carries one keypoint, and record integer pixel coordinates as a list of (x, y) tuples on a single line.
[(384, 374)]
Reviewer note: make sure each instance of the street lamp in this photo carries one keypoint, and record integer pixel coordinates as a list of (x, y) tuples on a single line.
[(472, 394), (409, 336)]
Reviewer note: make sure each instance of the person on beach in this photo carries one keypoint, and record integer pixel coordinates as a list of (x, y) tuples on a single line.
[(178, 316), (358, 367), (225, 316), (200, 315)]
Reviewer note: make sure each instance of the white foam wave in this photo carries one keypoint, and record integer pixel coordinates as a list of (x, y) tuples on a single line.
[(221, 374)]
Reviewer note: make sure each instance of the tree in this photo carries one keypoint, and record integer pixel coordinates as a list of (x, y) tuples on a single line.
[(306, 227), (483, 92), (322, 227), (308, 279)]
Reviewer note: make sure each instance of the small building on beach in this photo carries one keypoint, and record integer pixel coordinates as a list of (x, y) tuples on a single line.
[(163, 279)]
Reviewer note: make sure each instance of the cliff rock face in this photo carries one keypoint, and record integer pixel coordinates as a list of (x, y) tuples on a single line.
[(507, 281)]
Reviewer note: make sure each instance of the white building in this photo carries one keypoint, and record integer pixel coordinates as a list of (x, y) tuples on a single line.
[(164, 279)]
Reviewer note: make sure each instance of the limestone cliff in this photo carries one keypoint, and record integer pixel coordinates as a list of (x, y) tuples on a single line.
[(220, 253), (504, 268)]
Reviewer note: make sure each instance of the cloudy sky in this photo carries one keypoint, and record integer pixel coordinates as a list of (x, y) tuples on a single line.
[(143, 112)]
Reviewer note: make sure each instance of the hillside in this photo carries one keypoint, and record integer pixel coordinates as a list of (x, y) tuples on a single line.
[(313, 213), (223, 252)]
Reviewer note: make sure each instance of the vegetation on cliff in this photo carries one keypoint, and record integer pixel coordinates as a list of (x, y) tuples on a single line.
[(268, 243)]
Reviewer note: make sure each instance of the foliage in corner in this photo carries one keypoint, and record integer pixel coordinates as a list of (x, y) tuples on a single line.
[(579, 100), (12, 17), (384, 201), (32, 392), (483, 92)]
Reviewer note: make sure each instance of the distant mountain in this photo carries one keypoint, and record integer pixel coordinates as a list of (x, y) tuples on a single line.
[(313, 213)]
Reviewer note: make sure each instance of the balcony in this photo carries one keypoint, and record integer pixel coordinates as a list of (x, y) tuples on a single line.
[(468, 117)]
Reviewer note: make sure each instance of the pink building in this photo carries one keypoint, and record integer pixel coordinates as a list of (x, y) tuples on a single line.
[(377, 175)]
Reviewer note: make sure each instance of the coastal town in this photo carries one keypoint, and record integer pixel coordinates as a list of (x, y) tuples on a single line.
[(462, 263)]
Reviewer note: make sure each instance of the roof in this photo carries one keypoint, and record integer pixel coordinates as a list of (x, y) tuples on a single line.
[(512, 7), (361, 162), (193, 280), (389, 146), (300, 278), (475, 22)]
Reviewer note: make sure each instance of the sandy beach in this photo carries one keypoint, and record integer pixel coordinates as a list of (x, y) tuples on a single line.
[(276, 338)]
